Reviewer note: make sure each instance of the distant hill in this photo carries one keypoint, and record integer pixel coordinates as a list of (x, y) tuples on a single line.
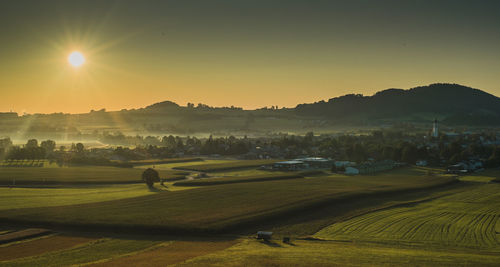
[(451, 104), (448, 101)]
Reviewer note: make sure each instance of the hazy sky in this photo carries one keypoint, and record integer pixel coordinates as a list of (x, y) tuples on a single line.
[(243, 53)]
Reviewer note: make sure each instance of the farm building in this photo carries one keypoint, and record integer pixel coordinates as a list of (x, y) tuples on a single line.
[(344, 164), (317, 163), (351, 171), (372, 167), (290, 165)]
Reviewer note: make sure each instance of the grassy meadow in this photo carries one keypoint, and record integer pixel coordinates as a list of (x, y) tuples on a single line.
[(466, 218), (218, 207), (401, 217), (250, 252), (76, 175)]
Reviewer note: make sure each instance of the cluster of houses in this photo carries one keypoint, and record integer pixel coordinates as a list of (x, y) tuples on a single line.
[(348, 167)]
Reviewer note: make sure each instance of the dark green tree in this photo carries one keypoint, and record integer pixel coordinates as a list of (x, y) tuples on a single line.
[(150, 176)]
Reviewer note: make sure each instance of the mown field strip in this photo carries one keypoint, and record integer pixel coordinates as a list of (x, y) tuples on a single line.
[(468, 219), (329, 253), (172, 253), (12, 198), (80, 175), (40, 246), (91, 252), (212, 208), (23, 234)]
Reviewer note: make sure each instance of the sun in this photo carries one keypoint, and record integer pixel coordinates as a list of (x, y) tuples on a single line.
[(76, 59)]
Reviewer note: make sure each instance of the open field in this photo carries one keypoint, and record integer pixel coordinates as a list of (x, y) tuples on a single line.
[(15, 198), (484, 176), (401, 217), (468, 218), (224, 206), (329, 253), (96, 250), (170, 253), (40, 246), (76, 175), (23, 234), (65, 249), (214, 167), (161, 161)]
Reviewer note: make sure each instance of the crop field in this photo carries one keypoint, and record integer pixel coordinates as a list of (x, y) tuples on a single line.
[(469, 218), (162, 161), (401, 217), (40, 246), (24, 163), (214, 167), (239, 179), (250, 252), (217, 207), (170, 253), (484, 176), (15, 198), (76, 175), (92, 251), (24, 234)]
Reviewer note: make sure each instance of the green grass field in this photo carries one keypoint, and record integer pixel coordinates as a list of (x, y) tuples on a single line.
[(467, 218), (162, 161), (401, 217), (76, 175), (328, 253), (93, 251), (218, 207), (15, 198)]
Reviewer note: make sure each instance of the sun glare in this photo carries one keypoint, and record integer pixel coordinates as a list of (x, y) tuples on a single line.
[(76, 59)]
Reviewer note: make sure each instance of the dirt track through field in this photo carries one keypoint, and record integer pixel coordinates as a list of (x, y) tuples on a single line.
[(176, 252)]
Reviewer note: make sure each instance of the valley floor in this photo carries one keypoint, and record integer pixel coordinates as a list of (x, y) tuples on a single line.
[(449, 225)]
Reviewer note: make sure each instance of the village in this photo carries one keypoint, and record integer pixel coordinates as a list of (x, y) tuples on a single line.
[(455, 152)]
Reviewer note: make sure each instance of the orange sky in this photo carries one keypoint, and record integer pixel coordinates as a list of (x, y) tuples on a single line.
[(246, 56)]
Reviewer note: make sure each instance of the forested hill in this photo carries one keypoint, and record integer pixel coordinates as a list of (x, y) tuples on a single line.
[(451, 104), (451, 101)]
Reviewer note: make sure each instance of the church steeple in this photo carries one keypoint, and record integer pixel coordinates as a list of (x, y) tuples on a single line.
[(435, 130)]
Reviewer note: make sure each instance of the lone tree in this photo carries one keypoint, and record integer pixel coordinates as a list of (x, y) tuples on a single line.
[(149, 176)]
